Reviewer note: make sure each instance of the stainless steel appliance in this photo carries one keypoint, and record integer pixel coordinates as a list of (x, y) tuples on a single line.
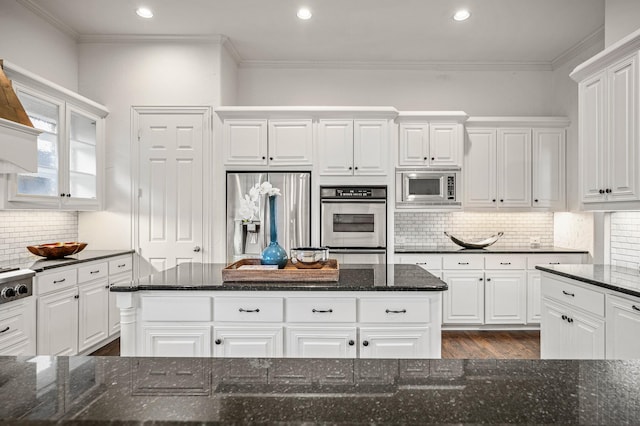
[(428, 188), (15, 283), (247, 239), (353, 223)]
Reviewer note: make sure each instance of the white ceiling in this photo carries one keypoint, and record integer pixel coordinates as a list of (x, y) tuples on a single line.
[(372, 31)]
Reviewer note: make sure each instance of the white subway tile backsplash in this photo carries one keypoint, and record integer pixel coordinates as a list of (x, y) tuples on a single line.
[(19, 229), (625, 239), (426, 228)]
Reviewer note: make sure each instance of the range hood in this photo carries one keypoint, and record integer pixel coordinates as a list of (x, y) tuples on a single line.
[(18, 137)]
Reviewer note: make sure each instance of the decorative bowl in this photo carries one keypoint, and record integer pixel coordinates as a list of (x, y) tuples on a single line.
[(57, 250), (476, 244), (309, 257)]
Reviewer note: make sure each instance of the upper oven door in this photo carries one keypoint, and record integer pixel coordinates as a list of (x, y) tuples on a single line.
[(423, 187), (353, 224)]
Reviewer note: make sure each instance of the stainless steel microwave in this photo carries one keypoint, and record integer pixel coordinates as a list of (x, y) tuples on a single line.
[(436, 188)]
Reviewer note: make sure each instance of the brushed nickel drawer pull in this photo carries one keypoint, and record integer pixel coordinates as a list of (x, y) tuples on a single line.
[(391, 311), (568, 294), (322, 311), (5, 330), (94, 272), (635, 308), (59, 281), (554, 263), (122, 265), (463, 263), (249, 310), (505, 263)]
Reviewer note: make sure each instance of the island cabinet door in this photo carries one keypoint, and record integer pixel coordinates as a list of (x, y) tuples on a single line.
[(176, 340), (392, 342), (248, 342), (324, 342), (463, 302)]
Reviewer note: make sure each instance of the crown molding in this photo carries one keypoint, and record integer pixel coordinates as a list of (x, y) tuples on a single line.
[(228, 45), (518, 121), (395, 65), (39, 11), (154, 38), (589, 41)]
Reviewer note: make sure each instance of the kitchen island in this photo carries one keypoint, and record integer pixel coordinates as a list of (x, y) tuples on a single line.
[(372, 311), (96, 390)]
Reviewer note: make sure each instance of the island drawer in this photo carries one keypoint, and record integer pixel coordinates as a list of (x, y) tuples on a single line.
[(54, 281), (505, 261), (394, 310), (120, 265), (425, 261), (552, 259), (248, 309), (468, 261), (573, 295), (93, 272), (321, 309), (174, 308)]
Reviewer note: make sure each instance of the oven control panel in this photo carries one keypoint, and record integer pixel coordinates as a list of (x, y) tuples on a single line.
[(451, 188), (353, 192), (15, 285)]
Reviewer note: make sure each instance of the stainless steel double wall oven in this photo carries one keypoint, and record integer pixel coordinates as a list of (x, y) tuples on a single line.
[(353, 223)]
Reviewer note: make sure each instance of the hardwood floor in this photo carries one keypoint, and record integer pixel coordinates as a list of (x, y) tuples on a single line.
[(455, 344)]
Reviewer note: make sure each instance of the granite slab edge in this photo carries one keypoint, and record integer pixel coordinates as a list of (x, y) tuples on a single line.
[(587, 280), (83, 257), (489, 250), (231, 286)]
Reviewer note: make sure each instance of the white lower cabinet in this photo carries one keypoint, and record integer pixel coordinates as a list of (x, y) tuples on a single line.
[(93, 324), (534, 297), (18, 327), (393, 342), (505, 297), (176, 340), (58, 323), (623, 327), (463, 303), (248, 341), (325, 342)]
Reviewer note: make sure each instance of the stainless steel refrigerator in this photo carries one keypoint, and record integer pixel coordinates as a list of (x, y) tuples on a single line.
[(248, 238)]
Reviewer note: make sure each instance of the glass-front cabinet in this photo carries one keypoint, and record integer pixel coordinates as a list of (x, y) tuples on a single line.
[(70, 151)]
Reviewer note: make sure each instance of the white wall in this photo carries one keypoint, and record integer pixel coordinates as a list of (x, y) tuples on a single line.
[(622, 17), (228, 78), (476, 92), (122, 75), (35, 45)]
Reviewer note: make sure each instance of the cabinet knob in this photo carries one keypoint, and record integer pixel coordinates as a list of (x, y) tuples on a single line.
[(535, 201), (62, 195), (425, 158), (76, 296), (570, 320), (68, 195), (350, 168), (271, 158), (494, 200), (218, 342), (365, 343), (197, 249), (608, 191), (264, 158), (488, 279), (479, 279), (351, 343), (601, 191), (356, 167), (433, 158), (106, 286), (502, 201), (564, 317)]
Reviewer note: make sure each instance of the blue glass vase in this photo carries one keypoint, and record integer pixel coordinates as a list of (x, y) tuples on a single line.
[(273, 254)]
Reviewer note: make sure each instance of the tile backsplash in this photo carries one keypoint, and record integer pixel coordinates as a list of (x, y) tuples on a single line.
[(424, 228), (625, 239), (19, 229)]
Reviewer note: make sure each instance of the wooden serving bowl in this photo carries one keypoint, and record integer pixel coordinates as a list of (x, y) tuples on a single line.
[(57, 250)]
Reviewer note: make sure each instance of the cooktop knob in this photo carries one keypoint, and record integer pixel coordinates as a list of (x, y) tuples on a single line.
[(21, 289), (7, 293)]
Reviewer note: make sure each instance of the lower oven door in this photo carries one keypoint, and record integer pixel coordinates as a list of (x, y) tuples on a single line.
[(347, 256), (353, 224)]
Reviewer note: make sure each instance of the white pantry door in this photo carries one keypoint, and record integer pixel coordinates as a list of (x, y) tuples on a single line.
[(170, 186)]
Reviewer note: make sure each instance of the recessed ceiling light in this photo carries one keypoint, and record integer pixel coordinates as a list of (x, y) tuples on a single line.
[(144, 12), (461, 15), (304, 13)]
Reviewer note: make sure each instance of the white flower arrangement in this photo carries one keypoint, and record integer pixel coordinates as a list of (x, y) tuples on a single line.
[(250, 203)]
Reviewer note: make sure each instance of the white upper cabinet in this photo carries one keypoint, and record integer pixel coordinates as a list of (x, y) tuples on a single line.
[(70, 154), (608, 94), (257, 142), (432, 139), (353, 147), (518, 167)]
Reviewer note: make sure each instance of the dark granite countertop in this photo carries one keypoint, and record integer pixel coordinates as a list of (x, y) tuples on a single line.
[(624, 280), (114, 390), (452, 248), (83, 256), (208, 276)]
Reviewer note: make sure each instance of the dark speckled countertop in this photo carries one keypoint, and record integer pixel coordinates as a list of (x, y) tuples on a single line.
[(82, 257), (452, 248), (132, 391), (623, 280), (208, 276)]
